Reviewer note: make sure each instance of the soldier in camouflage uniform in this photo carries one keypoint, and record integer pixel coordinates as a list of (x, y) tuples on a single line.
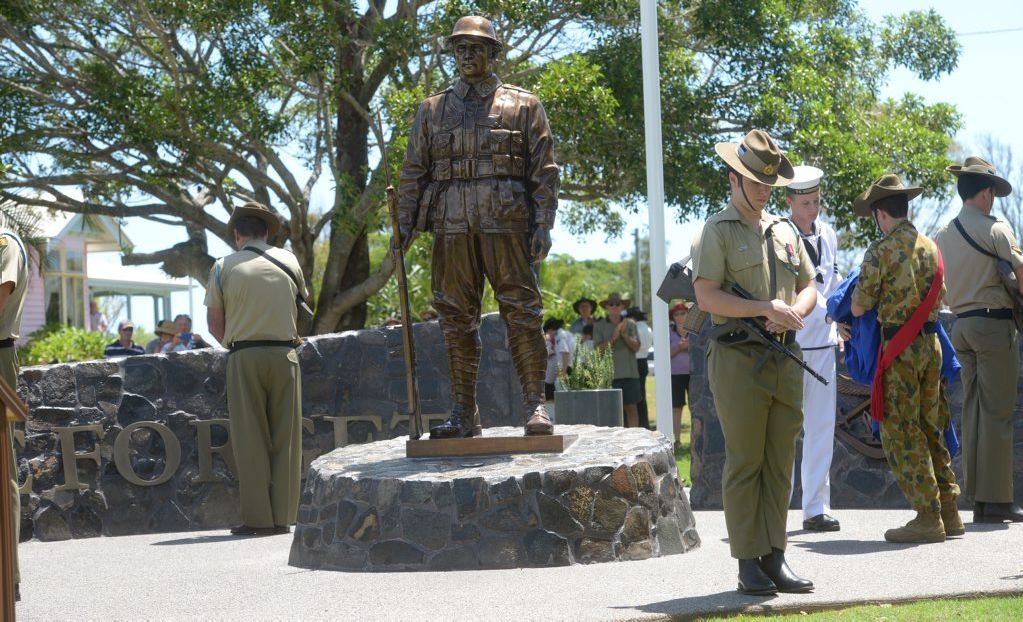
[(479, 173), (895, 276)]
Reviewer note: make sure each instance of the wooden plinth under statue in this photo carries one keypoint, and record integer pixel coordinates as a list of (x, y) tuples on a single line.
[(490, 444)]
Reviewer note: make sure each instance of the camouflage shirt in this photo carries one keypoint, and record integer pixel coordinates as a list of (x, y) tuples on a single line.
[(896, 275)]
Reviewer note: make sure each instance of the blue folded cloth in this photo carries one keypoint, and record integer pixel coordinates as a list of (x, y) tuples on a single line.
[(861, 350)]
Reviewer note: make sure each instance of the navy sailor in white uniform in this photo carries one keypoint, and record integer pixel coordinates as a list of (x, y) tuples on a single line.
[(818, 339)]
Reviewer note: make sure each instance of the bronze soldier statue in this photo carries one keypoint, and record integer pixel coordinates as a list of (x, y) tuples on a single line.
[(479, 173)]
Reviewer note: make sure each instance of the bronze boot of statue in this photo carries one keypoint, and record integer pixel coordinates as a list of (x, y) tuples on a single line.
[(463, 423), (539, 422)]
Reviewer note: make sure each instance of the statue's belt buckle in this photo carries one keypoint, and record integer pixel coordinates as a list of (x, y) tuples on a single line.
[(467, 169)]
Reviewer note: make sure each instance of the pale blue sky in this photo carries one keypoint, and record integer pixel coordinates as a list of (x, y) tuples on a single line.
[(984, 88)]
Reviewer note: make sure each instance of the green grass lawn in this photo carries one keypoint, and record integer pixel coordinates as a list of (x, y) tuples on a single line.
[(992, 608), (682, 456)]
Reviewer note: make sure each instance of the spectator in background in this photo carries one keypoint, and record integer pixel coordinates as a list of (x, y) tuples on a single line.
[(679, 350), (560, 346), (551, 373), (391, 321), (125, 345), (184, 338), (618, 333), (164, 337), (97, 320), (584, 307), (586, 338), (646, 341), (428, 314)]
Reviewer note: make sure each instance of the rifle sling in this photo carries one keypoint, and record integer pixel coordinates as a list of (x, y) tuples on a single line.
[(299, 300), (971, 241)]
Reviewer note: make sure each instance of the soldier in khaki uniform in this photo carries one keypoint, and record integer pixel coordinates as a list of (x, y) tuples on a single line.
[(13, 285), (758, 394), (479, 173), (984, 337), (895, 277), (252, 310)]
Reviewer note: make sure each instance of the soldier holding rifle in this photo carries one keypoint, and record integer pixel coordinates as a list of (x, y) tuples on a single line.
[(758, 391), (479, 173)]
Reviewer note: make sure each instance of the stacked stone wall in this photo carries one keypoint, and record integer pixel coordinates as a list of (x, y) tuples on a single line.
[(140, 444)]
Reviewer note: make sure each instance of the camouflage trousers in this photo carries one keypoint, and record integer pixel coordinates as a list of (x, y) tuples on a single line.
[(916, 415)]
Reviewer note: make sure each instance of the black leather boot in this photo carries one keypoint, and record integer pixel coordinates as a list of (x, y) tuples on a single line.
[(778, 570), (978, 511), (753, 580), (998, 512), (461, 424)]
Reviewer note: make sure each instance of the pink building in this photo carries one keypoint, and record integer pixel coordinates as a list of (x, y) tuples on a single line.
[(60, 291)]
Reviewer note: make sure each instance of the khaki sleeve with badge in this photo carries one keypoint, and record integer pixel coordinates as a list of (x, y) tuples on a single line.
[(709, 254), (214, 288), (1005, 244), (8, 262)]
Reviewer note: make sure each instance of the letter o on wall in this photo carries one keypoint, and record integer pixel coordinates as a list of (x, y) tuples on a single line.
[(122, 454)]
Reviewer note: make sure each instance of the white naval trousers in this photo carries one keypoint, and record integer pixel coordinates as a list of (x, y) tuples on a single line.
[(819, 405)]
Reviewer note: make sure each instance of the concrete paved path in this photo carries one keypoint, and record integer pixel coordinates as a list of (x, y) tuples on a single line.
[(213, 576)]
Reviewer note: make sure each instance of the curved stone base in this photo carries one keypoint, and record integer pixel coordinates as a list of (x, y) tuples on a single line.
[(613, 495)]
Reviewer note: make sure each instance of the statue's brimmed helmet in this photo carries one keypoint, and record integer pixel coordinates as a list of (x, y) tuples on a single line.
[(474, 26)]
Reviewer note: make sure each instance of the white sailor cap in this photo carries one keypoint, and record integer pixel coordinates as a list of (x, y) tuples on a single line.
[(807, 179)]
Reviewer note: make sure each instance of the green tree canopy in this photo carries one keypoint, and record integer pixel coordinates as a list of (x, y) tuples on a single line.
[(175, 110)]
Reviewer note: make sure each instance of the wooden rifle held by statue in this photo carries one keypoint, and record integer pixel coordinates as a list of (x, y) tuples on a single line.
[(415, 414)]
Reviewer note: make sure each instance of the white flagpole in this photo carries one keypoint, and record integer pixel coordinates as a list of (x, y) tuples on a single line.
[(655, 207)]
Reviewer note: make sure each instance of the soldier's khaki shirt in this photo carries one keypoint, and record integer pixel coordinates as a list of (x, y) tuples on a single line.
[(13, 269), (896, 275), (730, 251), (257, 297), (971, 278)]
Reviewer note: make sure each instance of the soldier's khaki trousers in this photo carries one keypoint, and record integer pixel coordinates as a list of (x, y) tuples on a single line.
[(9, 372), (264, 398), (761, 415), (989, 353)]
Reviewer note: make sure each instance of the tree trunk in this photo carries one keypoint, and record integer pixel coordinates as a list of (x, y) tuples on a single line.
[(353, 166)]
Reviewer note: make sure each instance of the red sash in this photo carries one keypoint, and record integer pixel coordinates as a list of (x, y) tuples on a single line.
[(905, 336)]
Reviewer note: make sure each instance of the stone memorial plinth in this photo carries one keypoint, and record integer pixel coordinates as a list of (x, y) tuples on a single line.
[(613, 495)]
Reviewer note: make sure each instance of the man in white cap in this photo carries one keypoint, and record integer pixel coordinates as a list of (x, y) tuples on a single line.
[(818, 339)]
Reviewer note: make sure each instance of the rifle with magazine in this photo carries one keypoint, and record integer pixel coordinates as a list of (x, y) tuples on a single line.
[(750, 330)]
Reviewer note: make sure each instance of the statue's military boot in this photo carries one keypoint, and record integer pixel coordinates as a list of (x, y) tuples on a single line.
[(539, 422), (951, 520), (926, 527), (459, 425), (778, 570)]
